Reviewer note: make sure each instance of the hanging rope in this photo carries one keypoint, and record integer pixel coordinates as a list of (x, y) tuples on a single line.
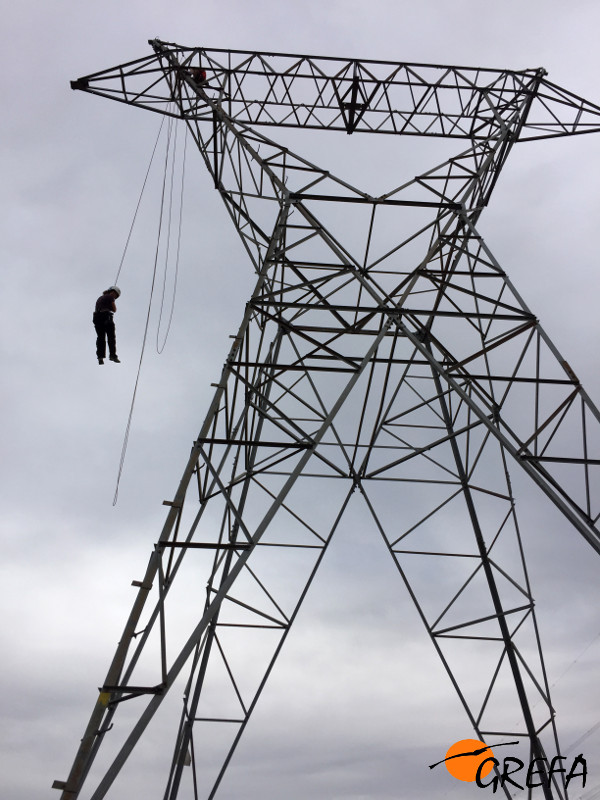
[(137, 379), (582, 739), (137, 208), (563, 673), (160, 348), (575, 660)]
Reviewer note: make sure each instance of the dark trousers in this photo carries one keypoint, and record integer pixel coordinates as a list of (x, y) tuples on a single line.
[(105, 331)]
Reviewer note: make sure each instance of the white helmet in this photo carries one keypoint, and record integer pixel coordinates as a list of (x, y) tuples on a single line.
[(114, 289)]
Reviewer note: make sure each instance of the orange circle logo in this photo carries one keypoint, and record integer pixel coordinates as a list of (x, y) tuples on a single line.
[(464, 757)]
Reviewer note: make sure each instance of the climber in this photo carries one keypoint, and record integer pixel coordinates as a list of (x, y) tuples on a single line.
[(105, 326), (198, 75)]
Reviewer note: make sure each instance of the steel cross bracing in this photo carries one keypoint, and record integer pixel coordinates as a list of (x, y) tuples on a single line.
[(401, 371), (302, 91)]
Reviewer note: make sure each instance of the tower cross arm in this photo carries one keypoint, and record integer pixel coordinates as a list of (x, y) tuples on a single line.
[(556, 112), (351, 95)]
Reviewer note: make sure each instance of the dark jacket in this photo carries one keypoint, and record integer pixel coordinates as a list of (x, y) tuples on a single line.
[(105, 303)]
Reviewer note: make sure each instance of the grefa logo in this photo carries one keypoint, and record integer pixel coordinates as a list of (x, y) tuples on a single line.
[(472, 760)]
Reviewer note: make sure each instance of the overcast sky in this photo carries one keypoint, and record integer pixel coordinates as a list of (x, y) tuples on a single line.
[(72, 169)]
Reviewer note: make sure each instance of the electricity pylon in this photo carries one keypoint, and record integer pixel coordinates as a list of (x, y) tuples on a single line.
[(385, 358)]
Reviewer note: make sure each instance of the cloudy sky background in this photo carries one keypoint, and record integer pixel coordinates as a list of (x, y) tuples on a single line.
[(72, 169)]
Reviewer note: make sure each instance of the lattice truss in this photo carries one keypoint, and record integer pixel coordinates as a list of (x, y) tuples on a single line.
[(384, 358)]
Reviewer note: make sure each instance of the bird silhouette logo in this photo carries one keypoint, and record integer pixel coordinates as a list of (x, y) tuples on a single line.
[(464, 757)]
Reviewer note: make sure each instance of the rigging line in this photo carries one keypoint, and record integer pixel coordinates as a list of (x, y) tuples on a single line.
[(575, 660), (173, 156), (137, 379), (582, 739), (137, 208), (561, 676), (593, 794), (181, 196)]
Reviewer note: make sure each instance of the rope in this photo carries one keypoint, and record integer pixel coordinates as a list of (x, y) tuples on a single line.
[(160, 348), (575, 660), (582, 739), (593, 794), (137, 208), (137, 379), (563, 673)]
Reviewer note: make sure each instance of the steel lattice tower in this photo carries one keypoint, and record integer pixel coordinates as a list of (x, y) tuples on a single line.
[(404, 370)]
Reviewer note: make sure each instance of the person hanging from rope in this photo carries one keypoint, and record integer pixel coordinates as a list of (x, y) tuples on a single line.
[(105, 325)]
